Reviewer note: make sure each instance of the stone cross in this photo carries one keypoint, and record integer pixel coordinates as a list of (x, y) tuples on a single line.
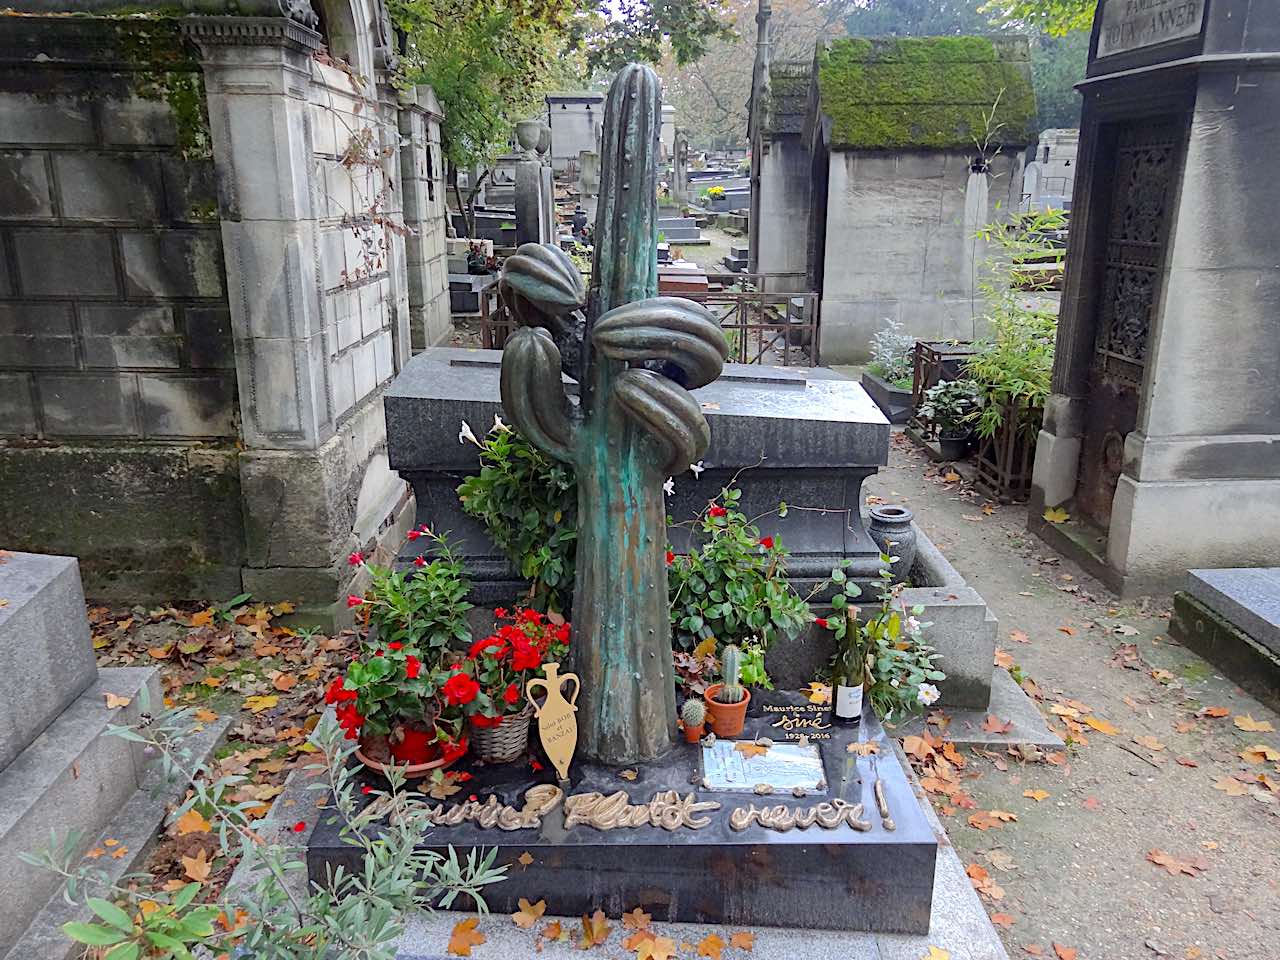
[(635, 356)]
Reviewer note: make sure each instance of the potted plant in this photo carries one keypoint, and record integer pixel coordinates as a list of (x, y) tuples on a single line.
[(693, 719), (499, 665), (887, 378), (948, 410), (727, 701)]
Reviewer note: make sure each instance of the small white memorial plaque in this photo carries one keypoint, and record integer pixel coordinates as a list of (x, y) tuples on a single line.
[(784, 766)]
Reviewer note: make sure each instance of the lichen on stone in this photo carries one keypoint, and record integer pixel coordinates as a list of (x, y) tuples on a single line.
[(926, 92)]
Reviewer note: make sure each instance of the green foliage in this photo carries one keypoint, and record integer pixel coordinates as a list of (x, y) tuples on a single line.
[(528, 503), (1014, 366), (693, 713), (349, 915), (893, 354), (1056, 17), (643, 31), (915, 18), (950, 407), (731, 675), (732, 585), (754, 673), (425, 607), (923, 92), (1057, 64)]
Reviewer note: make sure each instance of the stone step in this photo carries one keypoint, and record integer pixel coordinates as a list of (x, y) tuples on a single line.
[(135, 828), (46, 655), (75, 776)]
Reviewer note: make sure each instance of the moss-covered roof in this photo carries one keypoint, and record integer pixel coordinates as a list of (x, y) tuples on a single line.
[(926, 92), (788, 96)]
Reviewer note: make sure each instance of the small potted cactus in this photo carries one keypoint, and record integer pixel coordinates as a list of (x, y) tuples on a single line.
[(693, 717), (727, 700)]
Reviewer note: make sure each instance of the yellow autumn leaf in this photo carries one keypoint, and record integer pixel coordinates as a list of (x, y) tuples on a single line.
[(936, 953), (1260, 753), (1056, 515), (114, 701), (261, 702), (1102, 726), (197, 868), (205, 715), (1247, 723), (1036, 795), (191, 822), (202, 619), (529, 913), (705, 649)]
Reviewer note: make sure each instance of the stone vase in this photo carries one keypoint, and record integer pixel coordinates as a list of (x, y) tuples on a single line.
[(528, 133), (891, 529)]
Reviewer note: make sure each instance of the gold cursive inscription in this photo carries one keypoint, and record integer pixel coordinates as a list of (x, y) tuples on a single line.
[(667, 809), (828, 815), (539, 800)]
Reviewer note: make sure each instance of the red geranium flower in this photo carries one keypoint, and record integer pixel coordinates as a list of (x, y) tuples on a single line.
[(500, 612), (356, 559), (670, 557), (460, 689), (511, 694), (460, 775), (336, 692), (480, 646), (414, 534), (715, 510), (450, 751), (419, 561), (366, 789), (821, 621), (354, 601), (524, 656), (481, 721), (562, 633), (530, 616), (412, 667), (395, 645), (766, 542)]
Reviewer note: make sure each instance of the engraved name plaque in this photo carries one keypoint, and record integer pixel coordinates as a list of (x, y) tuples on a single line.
[(1134, 24), (784, 767)]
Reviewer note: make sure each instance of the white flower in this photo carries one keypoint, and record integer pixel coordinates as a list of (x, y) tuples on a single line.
[(928, 694), (499, 425), (669, 488), (893, 682), (913, 624), (465, 434), (696, 469)]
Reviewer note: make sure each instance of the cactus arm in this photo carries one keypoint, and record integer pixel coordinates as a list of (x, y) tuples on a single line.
[(669, 415), (678, 331), (533, 394)]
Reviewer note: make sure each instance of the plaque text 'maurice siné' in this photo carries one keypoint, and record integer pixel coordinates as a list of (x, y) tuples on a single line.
[(1132, 24)]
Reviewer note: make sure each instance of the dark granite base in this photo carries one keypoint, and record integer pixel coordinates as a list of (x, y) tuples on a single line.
[(1255, 667), (837, 879), (894, 402)]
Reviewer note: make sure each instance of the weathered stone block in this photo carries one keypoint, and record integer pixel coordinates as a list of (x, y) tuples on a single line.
[(102, 186), (188, 406), (24, 186), (191, 195), (17, 412), (1248, 597), (112, 320), (209, 343), (46, 656), (65, 262), (172, 263), (85, 405), (30, 351), (138, 121), (27, 118), (159, 521), (36, 319), (132, 351)]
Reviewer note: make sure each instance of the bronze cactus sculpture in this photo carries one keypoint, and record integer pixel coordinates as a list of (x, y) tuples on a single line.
[(634, 355)]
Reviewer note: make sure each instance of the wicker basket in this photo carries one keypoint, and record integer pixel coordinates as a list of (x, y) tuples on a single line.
[(505, 742)]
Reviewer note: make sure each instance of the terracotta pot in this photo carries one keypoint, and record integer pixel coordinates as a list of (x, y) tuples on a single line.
[(694, 734), (726, 719)]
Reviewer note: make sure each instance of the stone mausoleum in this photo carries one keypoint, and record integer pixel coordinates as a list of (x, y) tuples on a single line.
[(906, 148), (220, 237)]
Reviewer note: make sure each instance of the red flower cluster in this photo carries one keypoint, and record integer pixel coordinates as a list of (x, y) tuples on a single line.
[(821, 621), (412, 667), (422, 531), (766, 542), (715, 510), (356, 559), (343, 700), (460, 689), (670, 557)]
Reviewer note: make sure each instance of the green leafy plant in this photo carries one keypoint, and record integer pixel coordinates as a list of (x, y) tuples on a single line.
[(732, 585), (754, 673), (950, 407), (349, 915), (892, 354), (528, 503)]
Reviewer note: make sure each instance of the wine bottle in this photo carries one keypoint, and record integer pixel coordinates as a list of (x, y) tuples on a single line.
[(847, 679)]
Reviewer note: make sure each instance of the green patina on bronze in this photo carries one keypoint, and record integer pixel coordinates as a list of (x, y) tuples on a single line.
[(926, 92), (635, 357)]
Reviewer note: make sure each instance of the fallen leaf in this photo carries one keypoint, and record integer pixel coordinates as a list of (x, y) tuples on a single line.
[(918, 747), (1001, 860), (1102, 726), (1174, 866), (1069, 631), (160, 653), (1186, 761), (1184, 726), (465, 936), (191, 822), (529, 913), (749, 750), (1215, 712), (1151, 743), (197, 868), (950, 476), (937, 953), (705, 649), (1034, 949), (1065, 953), (525, 859), (202, 619), (1260, 753), (552, 931), (1019, 636), (259, 703), (819, 692), (1230, 786), (1056, 515), (1036, 795), (595, 929), (1004, 659), (986, 819), (637, 919), (114, 701), (443, 789), (983, 882), (994, 724), (205, 715), (1164, 676), (742, 940), (1005, 920), (656, 948), (627, 774), (637, 939), (284, 682), (863, 747), (711, 946), (1250, 725)]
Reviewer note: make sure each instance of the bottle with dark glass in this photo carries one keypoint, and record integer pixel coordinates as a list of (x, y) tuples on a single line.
[(849, 675)]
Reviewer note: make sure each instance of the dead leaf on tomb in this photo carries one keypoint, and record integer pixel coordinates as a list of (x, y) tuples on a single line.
[(1005, 920), (1230, 786), (637, 919), (983, 882), (529, 913), (1214, 712), (595, 929), (1102, 726), (1250, 725), (1260, 753), (657, 948), (987, 819), (988, 509), (197, 868), (1163, 676), (160, 653), (1185, 761), (552, 931), (993, 724), (191, 822), (711, 946), (950, 476), (1036, 795), (1065, 953), (114, 702), (637, 940), (749, 750), (937, 953), (524, 859), (443, 789), (1004, 659), (1056, 515), (202, 619), (864, 747), (742, 940), (627, 774), (1001, 860), (1019, 636), (1184, 726), (1151, 743), (257, 704), (464, 937), (819, 693), (1034, 950), (284, 682), (918, 747), (1174, 866), (205, 715)]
